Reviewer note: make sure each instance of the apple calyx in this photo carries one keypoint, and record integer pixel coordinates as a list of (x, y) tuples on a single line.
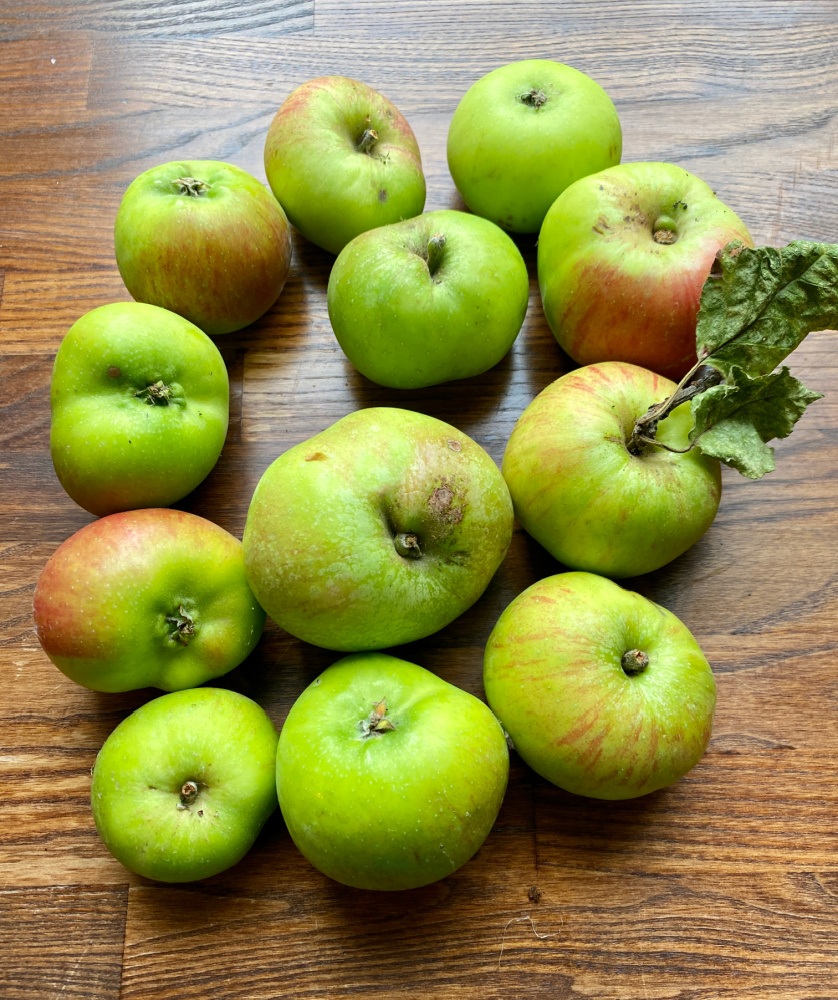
[(188, 794), (190, 186), (436, 248), (156, 394), (376, 722), (369, 137), (634, 662), (757, 306), (534, 98), (184, 626), (407, 545)]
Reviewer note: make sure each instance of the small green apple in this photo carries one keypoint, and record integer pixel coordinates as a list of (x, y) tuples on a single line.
[(603, 692), (428, 300), (145, 598), (205, 240), (590, 500), (342, 159), (523, 133), (140, 403), (389, 777), (182, 787), (379, 530)]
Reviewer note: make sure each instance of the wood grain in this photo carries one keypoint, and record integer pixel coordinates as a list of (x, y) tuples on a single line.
[(723, 886)]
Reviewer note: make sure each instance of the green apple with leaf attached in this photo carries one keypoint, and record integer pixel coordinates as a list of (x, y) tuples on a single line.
[(523, 133), (602, 691), (380, 530), (389, 777), (182, 787), (428, 300), (140, 404), (342, 159), (615, 469), (147, 598)]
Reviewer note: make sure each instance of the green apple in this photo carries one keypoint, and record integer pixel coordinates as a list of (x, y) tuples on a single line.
[(152, 597), (182, 787), (379, 530), (342, 159), (428, 300), (523, 133), (389, 777), (593, 503), (603, 692), (205, 240), (140, 403), (622, 258)]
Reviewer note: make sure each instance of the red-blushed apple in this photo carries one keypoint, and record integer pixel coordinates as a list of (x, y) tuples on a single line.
[(140, 404), (388, 776), (594, 502), (622, 258), (462, 296), (379, 530), (147, 598), (342, 159), (205, 240), (182, 787), (525, 131), (603, 692)]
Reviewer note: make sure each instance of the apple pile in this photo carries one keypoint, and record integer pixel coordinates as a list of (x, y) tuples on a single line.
[(388, 525)]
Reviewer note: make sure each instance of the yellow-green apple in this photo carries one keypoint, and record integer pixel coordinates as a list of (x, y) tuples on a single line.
[(428, 300), (603, 692), (204, 239), (389, 777), (182, 787), (594, 500), (523, 133), (140, 403), (379, 530), (622, 258), (153, 597), (342, 159)]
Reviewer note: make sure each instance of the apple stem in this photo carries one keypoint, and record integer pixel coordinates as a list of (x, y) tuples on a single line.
[(188, 794), (155, 394), (634, 662), (368, 139), (191, 187), (534, 98), (436, 248), (407, 545), (697, 380)]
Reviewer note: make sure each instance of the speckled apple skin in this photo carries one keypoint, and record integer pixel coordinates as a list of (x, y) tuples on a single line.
[(103, 599), (553, 676), (401, 809), (219, 739), (590, 502), (319, 542)]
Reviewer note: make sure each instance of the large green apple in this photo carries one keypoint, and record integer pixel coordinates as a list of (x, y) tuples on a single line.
[(525, 131), (205, 240), (379, 530), (622, 258), (342, 159), (593, 503), (140, 403), (152, 597), (603, 692), (389, 777), (431, 299), (182, 787)]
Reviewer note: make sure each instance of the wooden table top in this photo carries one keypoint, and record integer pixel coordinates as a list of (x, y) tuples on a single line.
[(724, 885)]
